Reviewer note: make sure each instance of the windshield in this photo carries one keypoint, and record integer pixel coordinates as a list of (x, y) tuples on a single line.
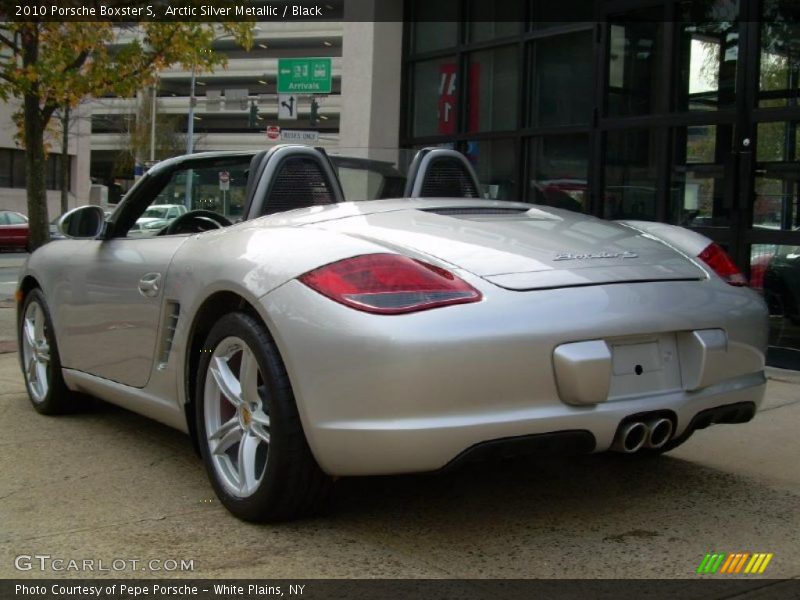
[(156, 212)]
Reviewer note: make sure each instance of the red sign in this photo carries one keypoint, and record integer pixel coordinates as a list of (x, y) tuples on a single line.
[(273, 132), (448, 98)]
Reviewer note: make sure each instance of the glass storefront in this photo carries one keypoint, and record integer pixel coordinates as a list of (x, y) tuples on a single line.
[(677, 111)]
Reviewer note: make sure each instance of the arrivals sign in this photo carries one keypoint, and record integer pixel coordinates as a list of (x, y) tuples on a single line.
[(304, 75)]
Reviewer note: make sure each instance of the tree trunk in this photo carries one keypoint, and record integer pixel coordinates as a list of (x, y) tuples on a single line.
[(65, 160), (38, 221)]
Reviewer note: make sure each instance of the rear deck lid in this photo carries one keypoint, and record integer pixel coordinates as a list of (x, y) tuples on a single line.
[(522, 248)]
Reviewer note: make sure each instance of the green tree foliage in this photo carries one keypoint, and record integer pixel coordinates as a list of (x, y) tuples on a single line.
[(50, 65)]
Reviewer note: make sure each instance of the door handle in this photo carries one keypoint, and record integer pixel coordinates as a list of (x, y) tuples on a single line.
[(149, 285)]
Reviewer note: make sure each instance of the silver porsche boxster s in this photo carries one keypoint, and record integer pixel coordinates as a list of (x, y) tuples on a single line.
[(297, 337)]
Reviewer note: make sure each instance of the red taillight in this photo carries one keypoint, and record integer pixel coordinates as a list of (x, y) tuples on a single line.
[(716, 258), (389, 284)]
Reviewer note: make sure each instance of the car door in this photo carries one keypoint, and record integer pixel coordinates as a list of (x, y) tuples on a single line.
[(111, 307)]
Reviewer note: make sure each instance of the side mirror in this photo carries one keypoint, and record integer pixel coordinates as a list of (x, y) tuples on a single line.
[(83, 223)]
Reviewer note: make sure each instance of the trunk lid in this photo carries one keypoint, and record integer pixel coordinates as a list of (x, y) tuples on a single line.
[(515, 246)]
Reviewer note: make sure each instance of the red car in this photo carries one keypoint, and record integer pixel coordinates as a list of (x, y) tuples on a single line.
[(13, 231)]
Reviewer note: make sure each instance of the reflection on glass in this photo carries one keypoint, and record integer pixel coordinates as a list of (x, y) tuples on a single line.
[(778, 141), (775, 272), (549, 15), (630, 175), (435, 97), (562, 79), (779, 82), (494, 162), (435, 25), (634, 60), (493, 85), (777, 200), (697, 186), (707, 51), (559, 168), (492, 20)]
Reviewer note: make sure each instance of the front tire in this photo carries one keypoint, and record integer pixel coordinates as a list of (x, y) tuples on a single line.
[(41, 364), (251, 438)]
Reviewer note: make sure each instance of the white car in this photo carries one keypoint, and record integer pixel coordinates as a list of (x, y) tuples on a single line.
[(158, 216)]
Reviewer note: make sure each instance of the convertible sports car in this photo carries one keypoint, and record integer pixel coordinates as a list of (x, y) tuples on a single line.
[(320, 338)]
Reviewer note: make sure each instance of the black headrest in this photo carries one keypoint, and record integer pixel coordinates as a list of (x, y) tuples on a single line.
[(441, 173), (287, 177)]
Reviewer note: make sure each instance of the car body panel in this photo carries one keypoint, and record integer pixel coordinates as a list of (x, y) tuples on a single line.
[(106, 326), (476, 372)]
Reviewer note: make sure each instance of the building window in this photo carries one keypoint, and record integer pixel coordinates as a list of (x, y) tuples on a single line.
[(558, 171), (562, 80), (5, 168), (493, 89), (698, 195), (707, 54), (435, 97), (494, 162), (630, 175), (779, 81), (13, 170), (634, 60)]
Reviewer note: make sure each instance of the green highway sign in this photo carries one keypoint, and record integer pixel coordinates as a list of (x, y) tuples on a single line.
[(304, 75)]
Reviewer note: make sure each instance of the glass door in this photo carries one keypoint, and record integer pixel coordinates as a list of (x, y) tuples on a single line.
[(772, 176)]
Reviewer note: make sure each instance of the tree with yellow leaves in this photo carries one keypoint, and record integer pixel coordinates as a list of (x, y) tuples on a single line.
[(52, 65)]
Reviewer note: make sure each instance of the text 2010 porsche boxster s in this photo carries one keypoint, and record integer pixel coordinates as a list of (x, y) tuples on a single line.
[(318, 338)]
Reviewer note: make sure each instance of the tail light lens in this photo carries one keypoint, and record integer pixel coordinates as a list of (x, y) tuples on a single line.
[(719, 261), (389, 284)]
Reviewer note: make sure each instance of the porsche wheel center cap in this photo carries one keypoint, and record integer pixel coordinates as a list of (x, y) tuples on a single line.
[(246, 416)]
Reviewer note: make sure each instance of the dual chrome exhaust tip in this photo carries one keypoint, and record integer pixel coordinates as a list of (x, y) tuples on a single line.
[(635, 435)]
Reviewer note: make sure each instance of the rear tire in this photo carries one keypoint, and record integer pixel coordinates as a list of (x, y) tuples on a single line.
[(251, 438), (41, 364)]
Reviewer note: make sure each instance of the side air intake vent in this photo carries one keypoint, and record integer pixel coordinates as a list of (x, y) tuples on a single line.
[(170, 325)]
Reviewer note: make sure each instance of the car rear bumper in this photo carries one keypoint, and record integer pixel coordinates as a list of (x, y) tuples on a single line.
[(396, 394)]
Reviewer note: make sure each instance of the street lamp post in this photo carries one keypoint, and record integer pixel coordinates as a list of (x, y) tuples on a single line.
[(192, 102)]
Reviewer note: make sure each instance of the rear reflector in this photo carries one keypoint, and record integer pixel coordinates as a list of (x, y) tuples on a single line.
[(719, 261), (389, 284)]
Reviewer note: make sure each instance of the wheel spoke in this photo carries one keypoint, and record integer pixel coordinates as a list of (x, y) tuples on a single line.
[(226, 436), (248, 377), (261, 432), (31, 369), (41, 377), (38, 324), (226, 381), (247, 463), (30, 335)]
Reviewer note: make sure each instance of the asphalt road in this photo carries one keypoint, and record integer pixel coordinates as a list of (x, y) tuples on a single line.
[(110, 485)]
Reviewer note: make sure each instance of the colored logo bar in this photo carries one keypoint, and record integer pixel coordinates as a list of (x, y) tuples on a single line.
[(734, 563)]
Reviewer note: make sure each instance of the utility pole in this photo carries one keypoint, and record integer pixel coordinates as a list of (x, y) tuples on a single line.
[(65, 159)]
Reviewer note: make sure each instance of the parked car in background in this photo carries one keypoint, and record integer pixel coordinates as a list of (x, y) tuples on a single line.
[(13, 231), (156, 217)]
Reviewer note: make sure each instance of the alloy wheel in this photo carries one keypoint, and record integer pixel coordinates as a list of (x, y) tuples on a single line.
[(236, 417), (36, 352)]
